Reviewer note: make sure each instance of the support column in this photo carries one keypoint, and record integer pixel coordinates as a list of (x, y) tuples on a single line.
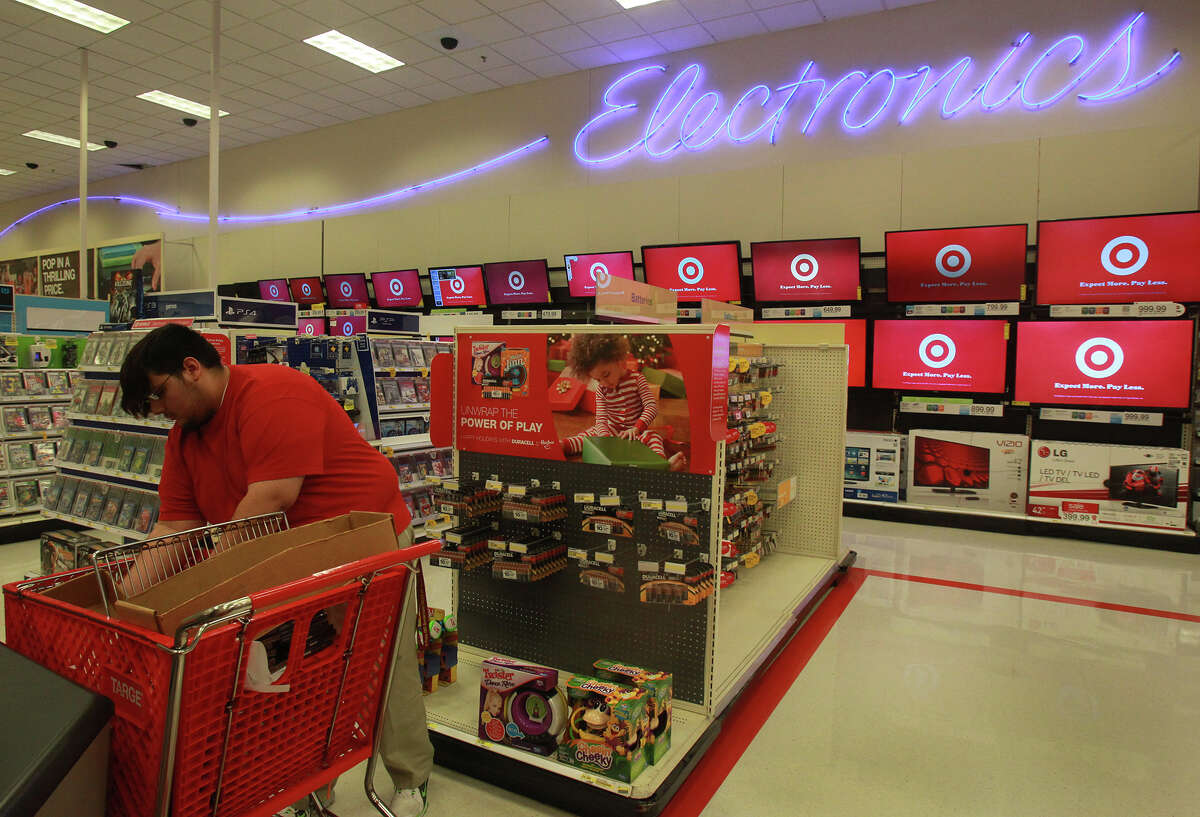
[(84, 281), (214, 143)]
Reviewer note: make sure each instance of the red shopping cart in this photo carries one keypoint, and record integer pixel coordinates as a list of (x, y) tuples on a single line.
[(192, 737)]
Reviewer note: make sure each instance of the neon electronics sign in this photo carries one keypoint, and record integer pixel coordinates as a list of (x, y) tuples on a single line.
[(681, 119)]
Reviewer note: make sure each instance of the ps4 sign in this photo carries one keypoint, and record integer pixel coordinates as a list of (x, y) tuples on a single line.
[(686, 117)]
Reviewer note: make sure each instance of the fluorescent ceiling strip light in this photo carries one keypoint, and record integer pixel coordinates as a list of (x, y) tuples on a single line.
[(632, 4), (69, 141), (179, 104), (81, 13), (351, 50), (4, 172)]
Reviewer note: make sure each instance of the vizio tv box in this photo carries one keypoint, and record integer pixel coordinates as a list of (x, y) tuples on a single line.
[(968, 470), (874, 466)]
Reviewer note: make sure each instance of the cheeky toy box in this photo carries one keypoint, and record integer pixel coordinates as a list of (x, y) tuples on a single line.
[(520, 705), (658, 686), (1119, 485), (968, 469), (874, 467), (606, 728)]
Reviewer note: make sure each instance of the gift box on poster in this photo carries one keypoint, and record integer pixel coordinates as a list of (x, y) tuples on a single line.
[(565, 393), (619, 451), (669, 380)]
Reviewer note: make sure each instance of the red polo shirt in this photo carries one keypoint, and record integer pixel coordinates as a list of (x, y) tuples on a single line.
[(276, 423)]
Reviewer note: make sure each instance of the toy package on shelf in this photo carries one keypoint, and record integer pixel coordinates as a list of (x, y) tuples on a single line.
[(1117, 485), (606, 728), (875, 466), (6, 501), (67, 549), (968, 469), (439, 663), (520, 706), (659, 710)]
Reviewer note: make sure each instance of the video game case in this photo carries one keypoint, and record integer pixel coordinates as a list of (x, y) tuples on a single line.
[(383, 354), (20, 457), (11, 385), (25, 493), (400, 353), (82, 497), (16, 421), (141, 456), (125, 456), (95, 449), (57, 382), (6, 501), (158, 451), (79, 390), (44, 453), (100, 348), (96, 502), (40, 418), (58, 418), (111, 452), (120, 348), (66, 497), (129, 508), (51, 490), (147, 513), (391, 391), (35, 383), (108, 396), (94, 389), (112, 505), (408, 391), (422, 386)]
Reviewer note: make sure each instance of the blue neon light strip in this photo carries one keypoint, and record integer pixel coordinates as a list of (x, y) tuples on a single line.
[(167, 211)]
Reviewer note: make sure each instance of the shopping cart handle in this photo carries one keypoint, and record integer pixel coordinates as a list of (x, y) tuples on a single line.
[(426, 548)]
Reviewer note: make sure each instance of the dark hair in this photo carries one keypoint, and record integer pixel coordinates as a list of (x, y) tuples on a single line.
[(162, 352), (588, 351)]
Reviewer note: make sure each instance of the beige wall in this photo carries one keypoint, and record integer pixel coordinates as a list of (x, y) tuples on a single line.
[(1138, 155)]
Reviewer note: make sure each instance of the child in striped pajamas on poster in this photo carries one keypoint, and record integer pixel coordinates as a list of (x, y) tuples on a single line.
[(625, 402)]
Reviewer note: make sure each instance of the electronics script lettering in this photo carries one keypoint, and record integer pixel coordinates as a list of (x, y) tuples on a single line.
[(686, 117)]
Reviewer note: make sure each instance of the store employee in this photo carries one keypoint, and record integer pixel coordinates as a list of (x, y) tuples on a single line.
[(252, 440)]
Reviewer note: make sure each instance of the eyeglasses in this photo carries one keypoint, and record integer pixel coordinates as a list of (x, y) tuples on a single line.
[(159, 390)]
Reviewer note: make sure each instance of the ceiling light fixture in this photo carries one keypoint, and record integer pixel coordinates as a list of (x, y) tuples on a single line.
[(81, 13), (4, 172), (351, 50), (179, 104), (632, 4), (69, 141)]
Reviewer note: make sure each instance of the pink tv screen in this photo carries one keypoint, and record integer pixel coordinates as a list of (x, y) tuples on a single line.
[(696, 271), (960, 264), (398, 289), (588, 272), (346, 291), (517, 282), (797, 271)]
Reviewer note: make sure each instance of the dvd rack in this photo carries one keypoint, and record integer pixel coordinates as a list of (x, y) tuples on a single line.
[(33, 416)]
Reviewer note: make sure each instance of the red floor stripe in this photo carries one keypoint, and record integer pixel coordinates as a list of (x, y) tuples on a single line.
[(1028, 594), (758, 701)]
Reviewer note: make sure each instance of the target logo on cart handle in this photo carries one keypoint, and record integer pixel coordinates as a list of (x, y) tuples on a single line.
[(1124, 255), (691, 270), (458, 286), (1099, 357), (953, 261), (516, 280), (937, 351), (805, 267), (600, 275), (396, 286)]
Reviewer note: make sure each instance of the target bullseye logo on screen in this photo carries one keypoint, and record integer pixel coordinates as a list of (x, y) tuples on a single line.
[(274, 290), (396, 287), (805, 267), (1124, 255), (306, 288), (953, 260), (1099, 357), (516, 281), (346, 289), (458, 286), (937, 351), (347, 328), (600, 275), (691, 270)]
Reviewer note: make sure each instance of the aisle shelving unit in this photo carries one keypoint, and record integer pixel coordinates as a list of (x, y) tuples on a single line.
[(22, 501)]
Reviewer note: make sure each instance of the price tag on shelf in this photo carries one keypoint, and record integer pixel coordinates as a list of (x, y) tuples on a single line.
[(649, 567), (677, 568), (497, 544), (454, 538), (776, 313), (511, 575), (1125, 418), (604, 558), (445, 507), (987, 410), (652, 504), (992, 309), (520, 516), (677, 505), (519, 314), (551, 314), (601, 527), (444, 562), (1142, 309), (493, 485), (585, 498), (516, 490), (576, 553), (518, 547), (610, 500)]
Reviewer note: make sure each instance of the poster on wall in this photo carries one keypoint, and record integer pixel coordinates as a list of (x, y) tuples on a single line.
[(603, 398), (22, 273), (119, 258), (59, 274)]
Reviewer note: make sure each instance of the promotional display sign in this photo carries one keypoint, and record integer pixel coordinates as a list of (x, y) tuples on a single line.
[(21, 274), (965, 263), (589, 272), (132, 255), (517, 282), (696, 271), (875, 466), (457, 286), (347, 291), (59, 274), (634, 302), (306, 291), (1107, 363), (1123, 485), (398, 289), (507, 390), (968, 469), (798, 271), (1119, 260), (274, 289), (940, 355)]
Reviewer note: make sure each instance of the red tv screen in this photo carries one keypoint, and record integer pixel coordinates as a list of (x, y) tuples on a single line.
[(960, 264), (696, 271), (306, 291), (274, 289), (587, 273), (310, 326), (940, 355), (822, 270), (397, 289), (457, 286), (347, 290), (1109, 363), (1119, 260), (347, 325), (517, 282)]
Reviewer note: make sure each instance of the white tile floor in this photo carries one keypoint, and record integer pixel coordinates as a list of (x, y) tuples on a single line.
[(933, 700)]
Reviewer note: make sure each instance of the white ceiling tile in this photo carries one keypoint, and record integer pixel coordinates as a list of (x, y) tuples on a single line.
[(792, 15), (377, 107), (120, 85), (411, 77), (567, 38), (435, 91), (306, 56), (346, 94), (523, 50), (662, 16), (536, 17), (332, 13), (70, 33), (38, 46), (712, 9), (412, 20), (455, 11), (374, 85), (310, 80), (490, 29), (260, 115), (503, 5), (581, 10), (637, 48), (339, 70), (197, 58), (21, 15), (679, 39), (232, 50), (373, 32), (511, 75), (758, 5), (11, 67), (169, 68), (896, 4), (52, 80), (243, 75), (177, 27), (132, 44), (550, 66), (474, 84), (592, 57), (731, 28), (480, 59), (289, 109), (413, 51), (251, 9), (408, 99), (836, 9), (281, 89), (612, 28), (253, 98), (444, 68), (270, 64), (258, 35), (374, 7), (293, 24)]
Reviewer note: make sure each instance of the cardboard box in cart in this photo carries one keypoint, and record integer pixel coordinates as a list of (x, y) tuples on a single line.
[(1120, 485), (247, 567)]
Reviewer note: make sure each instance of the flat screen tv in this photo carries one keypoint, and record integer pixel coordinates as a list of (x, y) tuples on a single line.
[(310, 326), (696, 272), (348, 325), (960, 264), (306, 291), (824, 269), (1132, 363), (517, 282), (1121, 259), (1143, 485), (941, 355), (347, 290), (457, 286), (950, 467), (588, 272), (398, 289), (274, 289)]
